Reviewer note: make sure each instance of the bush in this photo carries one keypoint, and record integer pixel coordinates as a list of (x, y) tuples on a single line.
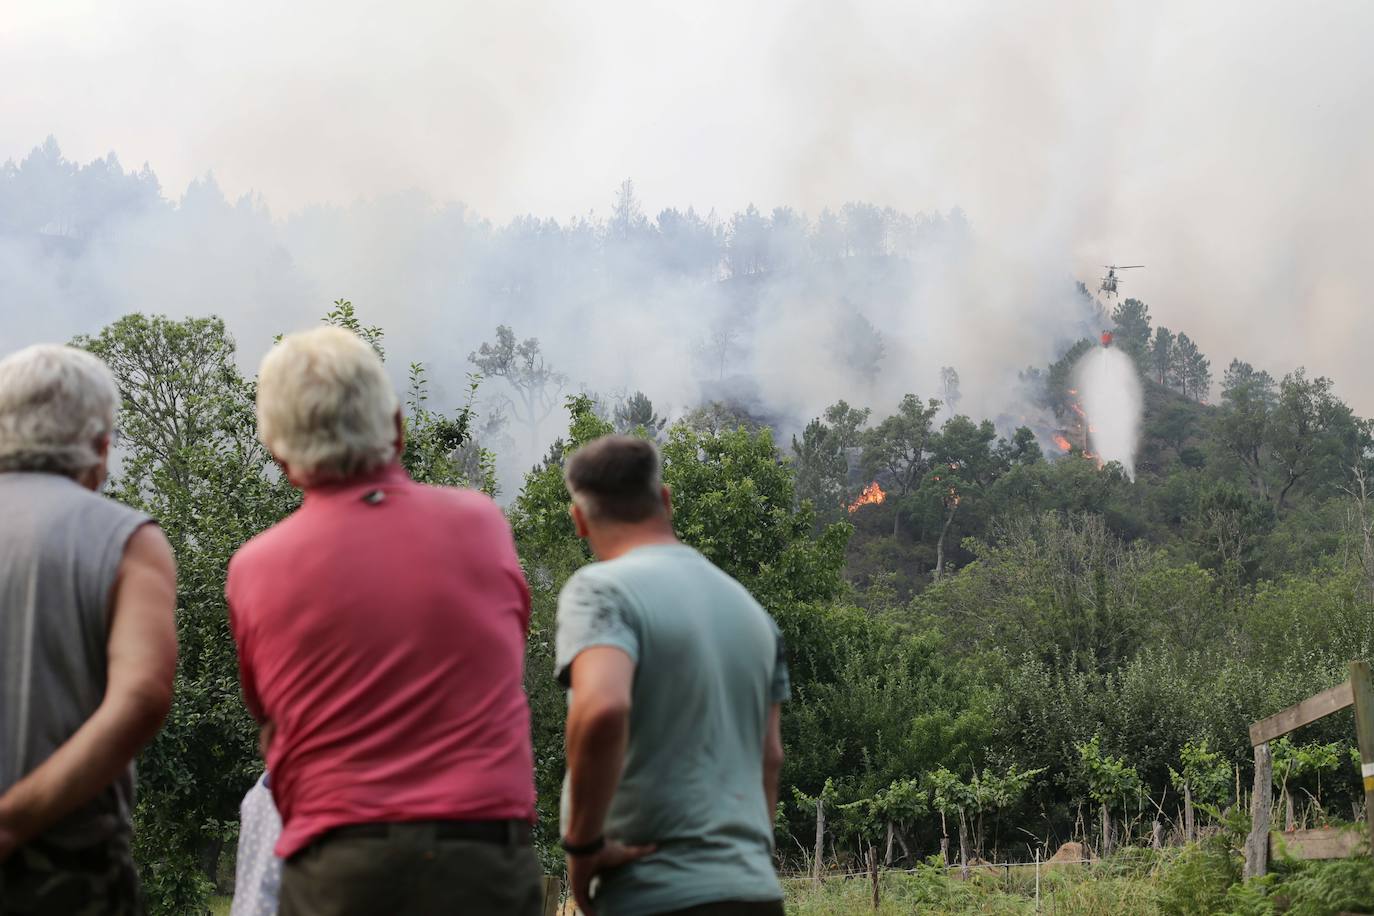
[(1306, 889), (1198, 878)]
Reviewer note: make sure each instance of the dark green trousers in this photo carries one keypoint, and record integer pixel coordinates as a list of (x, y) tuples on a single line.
[(732, 908), (41, 879), (410, 870)]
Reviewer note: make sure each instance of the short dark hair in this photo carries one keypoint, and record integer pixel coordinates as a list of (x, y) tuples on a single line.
[(616, 479)]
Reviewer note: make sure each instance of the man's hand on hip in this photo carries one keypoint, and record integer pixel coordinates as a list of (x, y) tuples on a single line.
[(582, 869), (9, 842)]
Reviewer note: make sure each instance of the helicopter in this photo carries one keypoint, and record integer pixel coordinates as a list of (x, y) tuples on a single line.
[(1109, 282)]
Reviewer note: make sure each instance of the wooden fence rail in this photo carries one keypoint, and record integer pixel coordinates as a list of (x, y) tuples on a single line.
[(1261, 844)]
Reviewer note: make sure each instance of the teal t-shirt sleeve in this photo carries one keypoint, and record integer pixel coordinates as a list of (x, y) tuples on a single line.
[(780, 690), (591, 612)]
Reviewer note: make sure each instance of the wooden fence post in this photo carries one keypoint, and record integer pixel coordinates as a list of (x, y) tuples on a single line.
[(820, 840), (1106, 832), (553, 895), (873, 872), (1189, 824), (1362, 689), (1257, 843)]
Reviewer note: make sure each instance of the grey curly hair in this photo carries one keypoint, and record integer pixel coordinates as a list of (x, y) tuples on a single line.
[(56, 405)]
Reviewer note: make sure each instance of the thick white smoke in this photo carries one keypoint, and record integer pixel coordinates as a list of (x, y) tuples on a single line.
[(1108, 386)]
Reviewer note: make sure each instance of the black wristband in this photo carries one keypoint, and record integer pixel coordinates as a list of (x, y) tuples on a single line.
[(583, 849)]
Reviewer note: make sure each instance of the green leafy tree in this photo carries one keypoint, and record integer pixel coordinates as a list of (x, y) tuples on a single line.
[(964, 464), (1293, 762), (734, 501), (533, 386), (1205, 778), (550, 552), (721, 416), (1227, 529), (1191, 369), (1058, 380), (952, 797), (1162, 356), (439, 449), (1131, 329), (873, 703), (848, 423), (822, 456), (1174, 425), (995, 791), (972, 799), (1060, 587), (637, 413), (890, 810), (822, 469), (823, 800), (1310, 432), (1108, 779), (847, 426), (344, 315), (899, 448), (190, 458), (1022, 449), (1248, 400)]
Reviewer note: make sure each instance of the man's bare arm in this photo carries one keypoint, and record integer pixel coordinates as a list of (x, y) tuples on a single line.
[(597, 733), (772, 758), (142, 654)]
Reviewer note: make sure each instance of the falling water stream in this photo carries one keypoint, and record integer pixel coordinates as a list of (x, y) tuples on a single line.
[(1109, 391)]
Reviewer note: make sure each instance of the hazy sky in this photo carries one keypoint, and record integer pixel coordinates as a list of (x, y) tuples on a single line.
[(1229, 146)]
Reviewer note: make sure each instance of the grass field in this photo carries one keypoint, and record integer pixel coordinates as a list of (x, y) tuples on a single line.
[(1136, 882), (1074, 890)]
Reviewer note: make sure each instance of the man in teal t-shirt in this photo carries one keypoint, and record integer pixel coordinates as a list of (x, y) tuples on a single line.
[(676, 677)]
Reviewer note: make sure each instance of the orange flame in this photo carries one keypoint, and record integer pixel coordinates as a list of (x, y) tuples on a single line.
[(871, 496), (1062, 442)]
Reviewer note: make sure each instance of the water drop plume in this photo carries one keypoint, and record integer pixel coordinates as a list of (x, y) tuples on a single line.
[(1109, 390)]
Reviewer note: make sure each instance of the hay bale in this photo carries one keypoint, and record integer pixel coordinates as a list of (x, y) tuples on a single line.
[(1069, 854)]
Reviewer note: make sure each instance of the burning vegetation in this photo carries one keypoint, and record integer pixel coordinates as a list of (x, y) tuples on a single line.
[(871, 496)]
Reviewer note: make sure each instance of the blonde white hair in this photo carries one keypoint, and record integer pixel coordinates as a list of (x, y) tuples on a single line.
[(57, 410), (325, 406)]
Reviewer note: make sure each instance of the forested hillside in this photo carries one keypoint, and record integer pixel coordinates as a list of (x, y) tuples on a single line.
[(969, 656), (1013, 647)]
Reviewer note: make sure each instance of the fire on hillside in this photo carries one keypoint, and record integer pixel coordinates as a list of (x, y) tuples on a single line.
[(871, 496)]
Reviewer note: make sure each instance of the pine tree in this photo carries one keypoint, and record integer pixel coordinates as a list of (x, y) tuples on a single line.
[(1161, 353)]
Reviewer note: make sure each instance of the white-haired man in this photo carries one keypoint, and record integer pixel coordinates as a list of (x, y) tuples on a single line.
[(87, 641), (381, 632)]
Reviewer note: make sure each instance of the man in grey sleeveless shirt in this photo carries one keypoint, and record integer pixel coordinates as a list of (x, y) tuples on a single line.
[(87, 642)]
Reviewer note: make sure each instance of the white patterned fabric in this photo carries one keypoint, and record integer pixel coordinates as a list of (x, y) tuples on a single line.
[(257, 876)]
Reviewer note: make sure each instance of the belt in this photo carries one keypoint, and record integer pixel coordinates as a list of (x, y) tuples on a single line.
[(502, 833)]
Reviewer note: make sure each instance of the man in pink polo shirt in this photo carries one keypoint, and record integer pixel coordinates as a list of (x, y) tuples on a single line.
[(381, 633)]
